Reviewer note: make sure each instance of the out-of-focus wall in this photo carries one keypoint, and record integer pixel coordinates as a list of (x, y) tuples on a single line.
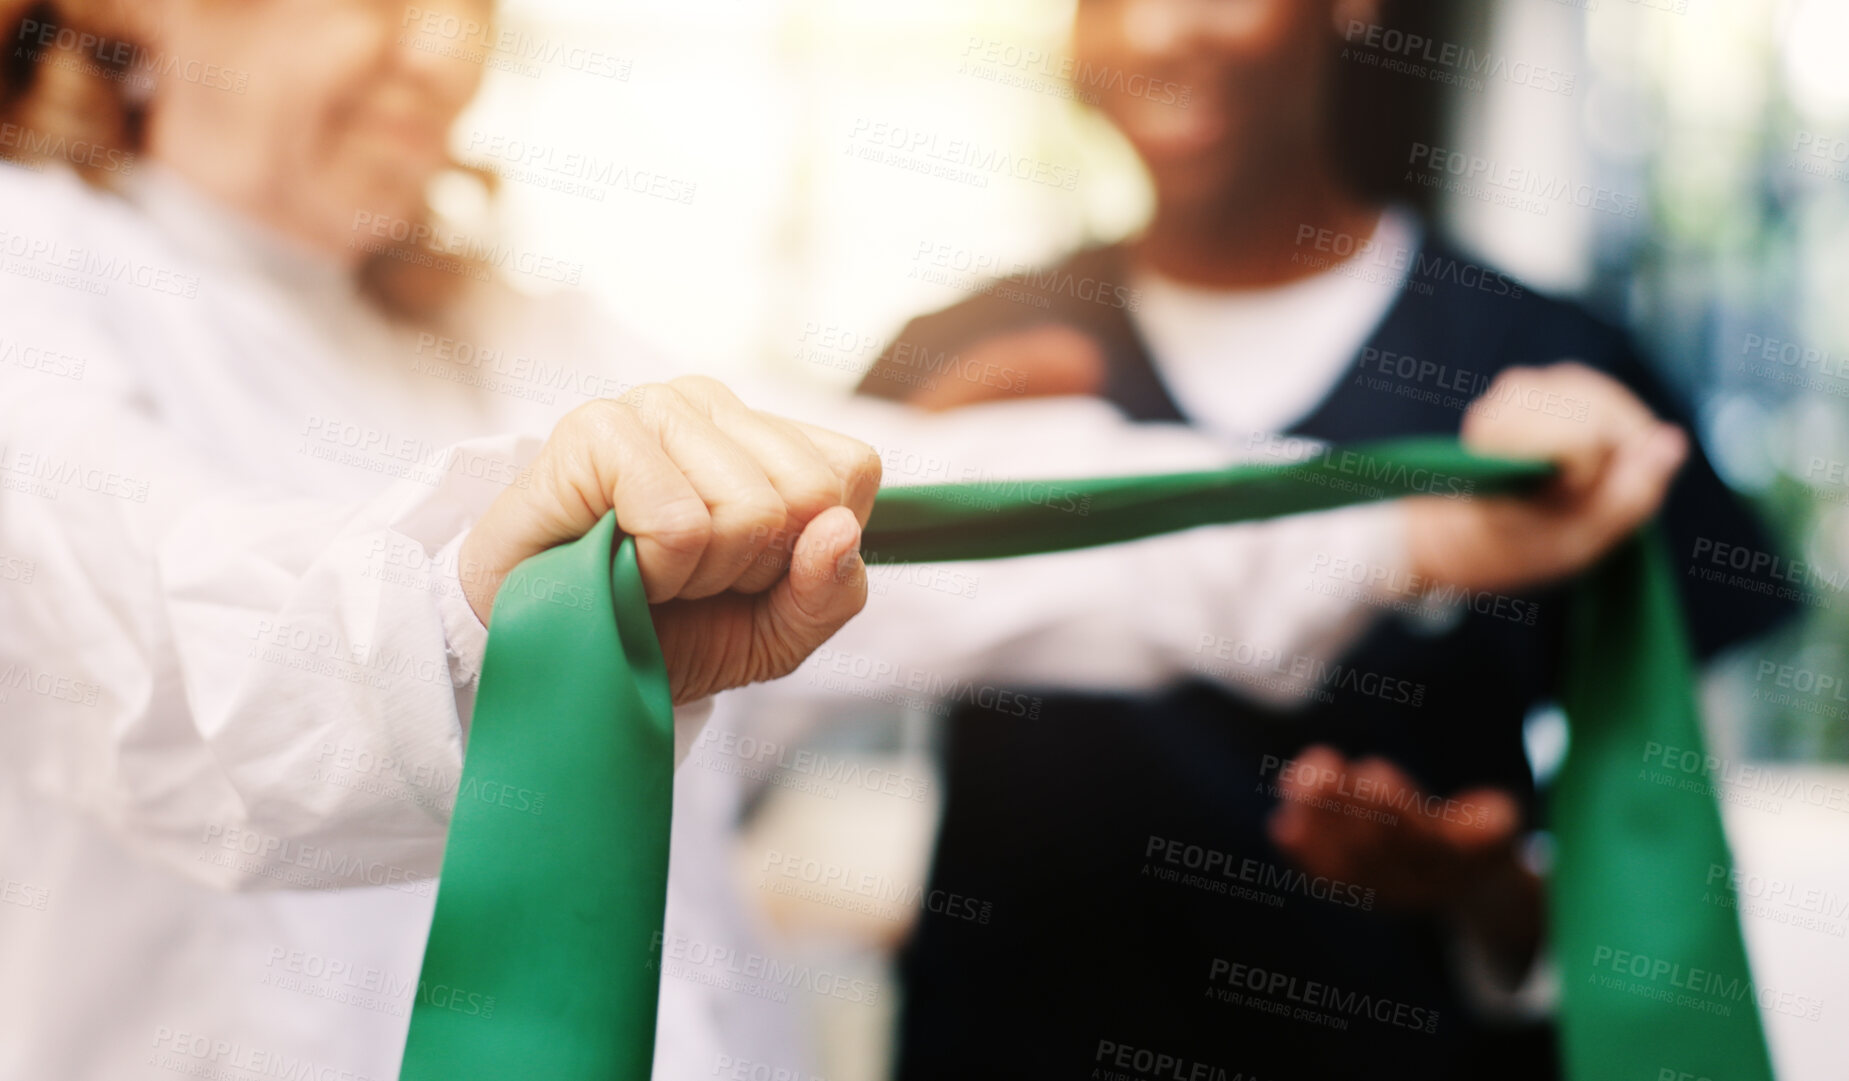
[(776, 185)]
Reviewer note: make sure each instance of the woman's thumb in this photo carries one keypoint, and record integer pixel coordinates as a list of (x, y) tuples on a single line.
[(826, 587)]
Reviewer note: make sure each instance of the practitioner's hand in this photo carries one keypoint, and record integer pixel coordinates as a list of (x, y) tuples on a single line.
[(1045, 361), (747, 525), (1616, 461), (1365, 822)]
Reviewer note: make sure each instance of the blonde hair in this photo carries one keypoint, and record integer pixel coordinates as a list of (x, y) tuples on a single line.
[(74, 98)]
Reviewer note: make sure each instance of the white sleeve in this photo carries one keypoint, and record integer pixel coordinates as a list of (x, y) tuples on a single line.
[(254, 687), (468, 644), (1494, 995), (1490, 989), (1235, 605), (1231, 605)]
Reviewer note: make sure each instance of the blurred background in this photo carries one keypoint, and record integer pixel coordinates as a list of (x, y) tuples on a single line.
[(740, 181)]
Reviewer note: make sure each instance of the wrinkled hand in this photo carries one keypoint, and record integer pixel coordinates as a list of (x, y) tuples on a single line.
[(747, 525), (1616, 462)]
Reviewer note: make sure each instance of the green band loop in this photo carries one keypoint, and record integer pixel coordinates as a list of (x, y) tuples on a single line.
[(544, 955)]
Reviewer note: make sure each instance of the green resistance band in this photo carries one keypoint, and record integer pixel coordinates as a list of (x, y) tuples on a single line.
[(545, 954)]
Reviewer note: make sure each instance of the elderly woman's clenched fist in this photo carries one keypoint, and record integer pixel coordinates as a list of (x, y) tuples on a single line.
[(747, 526)]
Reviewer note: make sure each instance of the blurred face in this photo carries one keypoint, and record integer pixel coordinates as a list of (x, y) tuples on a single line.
[(306, 113), (1213, 93)]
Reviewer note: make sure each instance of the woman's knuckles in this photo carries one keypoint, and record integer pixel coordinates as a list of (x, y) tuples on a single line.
[(703, 392), (683, 527), (655, 404)]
